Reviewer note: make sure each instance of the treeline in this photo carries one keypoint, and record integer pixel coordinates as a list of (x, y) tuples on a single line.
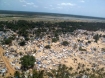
[(62, 72), (22, 24), (23, 27)]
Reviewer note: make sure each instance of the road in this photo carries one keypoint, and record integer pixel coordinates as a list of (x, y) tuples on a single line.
[(10, 69)]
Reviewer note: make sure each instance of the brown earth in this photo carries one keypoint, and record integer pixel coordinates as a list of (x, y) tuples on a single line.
[(10, 69)]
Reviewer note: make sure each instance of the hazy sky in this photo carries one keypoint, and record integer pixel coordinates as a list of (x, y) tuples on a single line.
[(77, 7)]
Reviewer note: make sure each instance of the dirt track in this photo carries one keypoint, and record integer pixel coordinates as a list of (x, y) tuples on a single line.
[(9, 67)]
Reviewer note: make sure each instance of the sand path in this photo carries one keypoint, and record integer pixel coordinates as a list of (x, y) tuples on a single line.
[(8, 65)]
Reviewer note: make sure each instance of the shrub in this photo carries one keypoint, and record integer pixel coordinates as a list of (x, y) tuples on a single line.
[(22, 43), (65, 43), (54, 39), (47, 46)]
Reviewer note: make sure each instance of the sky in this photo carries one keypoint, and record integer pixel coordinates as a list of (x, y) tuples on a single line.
[(76, 7)]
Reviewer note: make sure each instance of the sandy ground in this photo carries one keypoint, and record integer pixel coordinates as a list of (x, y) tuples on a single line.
[(9, 67)]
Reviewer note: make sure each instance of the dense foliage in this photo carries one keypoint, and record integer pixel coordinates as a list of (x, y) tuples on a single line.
[(22, 43), (27, 62), (23, 27), (7, 41)]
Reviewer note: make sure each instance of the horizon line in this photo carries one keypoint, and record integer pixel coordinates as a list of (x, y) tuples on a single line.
[(83, 16)]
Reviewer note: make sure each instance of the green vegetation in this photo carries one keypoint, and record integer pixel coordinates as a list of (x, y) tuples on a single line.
[(47, 47), (20, 53), (96, 37), (89, 42), (27, 62), (65, 43), (38, 74), (22, 43), (39, 29), (17, 74), (81, 49), (55, 40), (61, 72), (34, 74), (27, 39), (8, 41)]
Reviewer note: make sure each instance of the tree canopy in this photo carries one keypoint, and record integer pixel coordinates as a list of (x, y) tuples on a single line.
[(27, 61)]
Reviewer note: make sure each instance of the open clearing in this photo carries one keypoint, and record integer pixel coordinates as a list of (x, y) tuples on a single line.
[(35, 18)]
